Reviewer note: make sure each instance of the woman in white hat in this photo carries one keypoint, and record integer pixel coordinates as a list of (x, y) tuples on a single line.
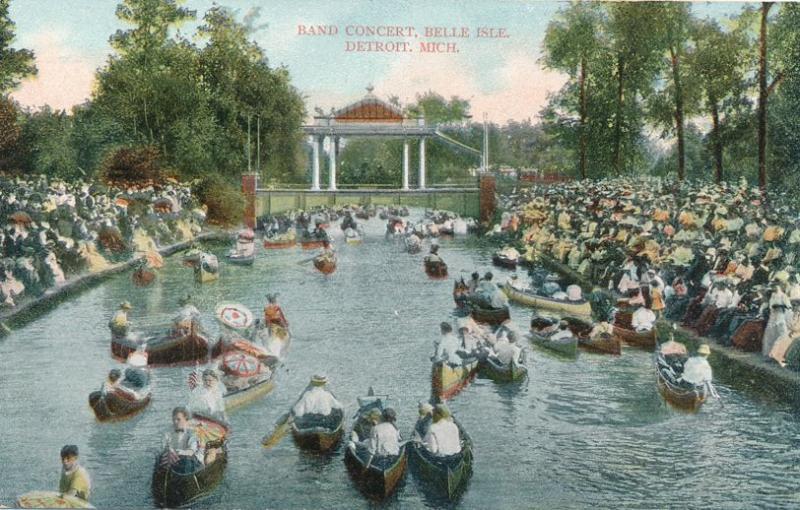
[(696, 370)]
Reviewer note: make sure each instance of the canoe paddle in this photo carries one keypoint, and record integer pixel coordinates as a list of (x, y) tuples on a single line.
[(281, 429)]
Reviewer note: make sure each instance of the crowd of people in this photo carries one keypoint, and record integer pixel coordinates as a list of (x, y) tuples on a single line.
[(716, 258), (53, 229)]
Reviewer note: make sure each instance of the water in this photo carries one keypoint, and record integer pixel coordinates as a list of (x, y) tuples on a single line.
[(587, 433)]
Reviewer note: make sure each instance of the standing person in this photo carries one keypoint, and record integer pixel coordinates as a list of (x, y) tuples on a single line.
[(75, 479), (780, 313), (273, 314)]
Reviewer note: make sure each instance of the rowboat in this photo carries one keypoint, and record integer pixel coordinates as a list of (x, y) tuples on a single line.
[(493, 316), (50, 499), (320, 434), (164, 350), (601, 344), (120, 404), (642, 339), (447, 476), (504, 261), (680, 395), (241, 260), (325, 263), (312, 244), (238, 397), (564, 346), (493, 369), (377, 477), (582, 307), (447, 380), (286, 240), (172, 489), (435, 268)]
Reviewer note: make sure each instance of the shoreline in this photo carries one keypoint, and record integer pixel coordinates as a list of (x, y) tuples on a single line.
[(31, 309), (738, 368)]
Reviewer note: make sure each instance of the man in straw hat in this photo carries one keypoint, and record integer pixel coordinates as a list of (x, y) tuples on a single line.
[(443, 437), (119, 323), (696, 370), (316, 400)]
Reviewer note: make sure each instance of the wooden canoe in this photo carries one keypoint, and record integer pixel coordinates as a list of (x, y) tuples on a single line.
[(377, 477), (241, 260), (503, 261), (435, 269), (582, 307), (493, 316), (50, 499), (682, 396), (601, 344), (312, 244), (448, 380), (325, 264), (173, 490), (238, 397), (310, 434), (446, 476), (164, 350), (641, 339), (498, 372), (563, 346), (117, 405), (279, 242)]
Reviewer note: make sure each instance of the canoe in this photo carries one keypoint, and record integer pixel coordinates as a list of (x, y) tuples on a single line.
[(164, 350), (683, 396), (601, 344), (241, 260), (117, 405), (582, 307), (563, 346), (325, 264), (447, 476), (311, 433), (377, 477), (311, 244), (493, 316), (435, 268), (498, 372), (50, 499), (503, 261), (171, 489), (644, 339), (448, 380), (239, 397), (279, 242)]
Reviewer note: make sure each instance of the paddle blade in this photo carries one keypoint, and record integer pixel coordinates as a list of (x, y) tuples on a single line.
[(281, 429)]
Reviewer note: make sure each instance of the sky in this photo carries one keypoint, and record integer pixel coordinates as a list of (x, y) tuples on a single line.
[(501, 75)]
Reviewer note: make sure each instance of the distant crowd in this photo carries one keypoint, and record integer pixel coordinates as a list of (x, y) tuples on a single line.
[(54, 229), (715, 258)]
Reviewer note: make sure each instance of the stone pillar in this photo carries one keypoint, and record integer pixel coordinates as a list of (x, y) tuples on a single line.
[(334, 146), (317, 141), (487, 199), (249, 183), (422, 163), (406, 158)]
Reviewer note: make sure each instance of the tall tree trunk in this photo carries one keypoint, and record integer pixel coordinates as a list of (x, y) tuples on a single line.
[(582, 164), (678, 111), (762, 99), (618, 119), (716, 139)]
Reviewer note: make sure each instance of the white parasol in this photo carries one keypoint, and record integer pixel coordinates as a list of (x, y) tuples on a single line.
[(234, 315)]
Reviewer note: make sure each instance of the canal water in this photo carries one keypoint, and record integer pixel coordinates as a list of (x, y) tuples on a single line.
[(586, 433)]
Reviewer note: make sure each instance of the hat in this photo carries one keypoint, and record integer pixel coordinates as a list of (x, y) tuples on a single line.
[(704, 350), (425, 407), (319, 380), (125, 305), (374, 413)]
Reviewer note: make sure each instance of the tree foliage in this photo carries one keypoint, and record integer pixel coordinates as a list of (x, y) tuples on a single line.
[(15, 64)]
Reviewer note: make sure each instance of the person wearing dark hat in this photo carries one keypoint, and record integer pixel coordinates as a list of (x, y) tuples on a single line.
[(443, 437), (75, 479), (273, 314), (119, 324), (385, 438), (474, 282), (113, 383), (316, 400), (433, 256)]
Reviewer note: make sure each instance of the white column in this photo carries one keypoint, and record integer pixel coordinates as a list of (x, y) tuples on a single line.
[(317, 141), (332, 162), (406, 158), (422, 163)]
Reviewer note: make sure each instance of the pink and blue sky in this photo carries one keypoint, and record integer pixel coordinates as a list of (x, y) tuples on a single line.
[(501, 77)]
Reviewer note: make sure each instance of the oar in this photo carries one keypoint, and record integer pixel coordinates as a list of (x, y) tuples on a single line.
[(282, 427), (306, 261), (714, 393)]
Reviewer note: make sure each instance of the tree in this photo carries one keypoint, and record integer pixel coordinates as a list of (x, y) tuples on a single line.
[(762, 97), (15, 64), (572, 42)]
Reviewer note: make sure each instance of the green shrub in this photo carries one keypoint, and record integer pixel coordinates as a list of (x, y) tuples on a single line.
[(224, 200), (133, 165)]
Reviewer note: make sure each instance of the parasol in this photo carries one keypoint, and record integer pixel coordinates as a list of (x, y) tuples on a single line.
[(234, 315)]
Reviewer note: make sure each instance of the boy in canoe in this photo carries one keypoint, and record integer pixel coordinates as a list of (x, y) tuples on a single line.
[(74, 477)]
